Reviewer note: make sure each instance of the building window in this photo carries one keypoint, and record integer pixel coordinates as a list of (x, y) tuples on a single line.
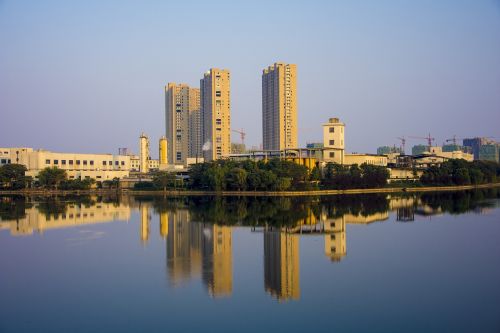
[(63, 162), (217, 93), (47, 161), (70, 162), (116, 162), (84, 162), (332, 129), (332, 142), (91, 162), (179, 156), (110, 162), (123, 162), (103, 162), (332, 154), (56, 162)]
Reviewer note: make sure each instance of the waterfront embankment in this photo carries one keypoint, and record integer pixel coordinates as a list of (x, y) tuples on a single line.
[(180, 193)]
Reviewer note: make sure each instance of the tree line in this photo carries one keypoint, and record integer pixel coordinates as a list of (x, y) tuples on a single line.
[(13, 177), (462, 172)]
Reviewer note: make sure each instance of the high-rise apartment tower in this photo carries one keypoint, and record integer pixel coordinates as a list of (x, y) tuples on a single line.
[(182, 107), (216, 114), (279, 106)]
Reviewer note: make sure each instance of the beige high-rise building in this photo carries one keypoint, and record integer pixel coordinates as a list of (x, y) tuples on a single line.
[(181, 104), (279, 106), (216, 113)]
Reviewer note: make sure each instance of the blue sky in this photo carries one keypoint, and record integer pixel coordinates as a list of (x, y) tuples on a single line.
[(88, 76)]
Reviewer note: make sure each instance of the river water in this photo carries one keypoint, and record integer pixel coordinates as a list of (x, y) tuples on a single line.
[(362, 263)]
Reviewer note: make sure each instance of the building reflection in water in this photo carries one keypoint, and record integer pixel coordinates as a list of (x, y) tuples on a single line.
[(335, 238), (281, 264), (145, 219), (198, 249), (204, 250), (36, 219)]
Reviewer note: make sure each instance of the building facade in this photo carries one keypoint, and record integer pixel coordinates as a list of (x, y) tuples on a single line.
[(279, 107), (77, 166), (215, 97), (182, 109), (476, 144), (333, 141)]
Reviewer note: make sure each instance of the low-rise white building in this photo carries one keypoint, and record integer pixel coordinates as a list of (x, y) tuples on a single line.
[(78, 166), (379, 160), (457, 154)]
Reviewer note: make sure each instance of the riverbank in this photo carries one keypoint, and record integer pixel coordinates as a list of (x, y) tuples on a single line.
[(180, 193)]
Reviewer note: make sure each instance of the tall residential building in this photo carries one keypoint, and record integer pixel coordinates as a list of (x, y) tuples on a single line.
[(279, 106), (182, 104), (216, 113)]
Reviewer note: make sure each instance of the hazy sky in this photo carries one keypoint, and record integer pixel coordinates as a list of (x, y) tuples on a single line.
[(88, 76)]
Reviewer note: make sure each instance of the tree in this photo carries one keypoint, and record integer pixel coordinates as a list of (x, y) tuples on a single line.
[(13, 176), (215, 178), (254, 180), (236, 179), (315, 174), (51, 177), (163, 179)]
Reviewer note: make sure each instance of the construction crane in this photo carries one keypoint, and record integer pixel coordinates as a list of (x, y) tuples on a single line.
[(242, 135), (428, 138), (454, 140), (403, 143)]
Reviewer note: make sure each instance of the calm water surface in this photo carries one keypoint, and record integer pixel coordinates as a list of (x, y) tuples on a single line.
[(374, 263)]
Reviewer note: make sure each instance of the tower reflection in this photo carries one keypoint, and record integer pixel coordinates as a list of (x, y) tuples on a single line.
[(145, 218), (335, 238), (281, 265), (198, 249)]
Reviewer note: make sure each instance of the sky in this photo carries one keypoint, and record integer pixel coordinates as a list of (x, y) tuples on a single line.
[(89, 76)]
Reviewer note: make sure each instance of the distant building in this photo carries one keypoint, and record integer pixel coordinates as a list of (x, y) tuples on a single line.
[(238, 148), (489, 152), (386, 150), (372, 159), (317, 154), (215, 91), (476, 143), (314, 145), (419, 149), (183, 126), (455, 154), (279, 106)]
